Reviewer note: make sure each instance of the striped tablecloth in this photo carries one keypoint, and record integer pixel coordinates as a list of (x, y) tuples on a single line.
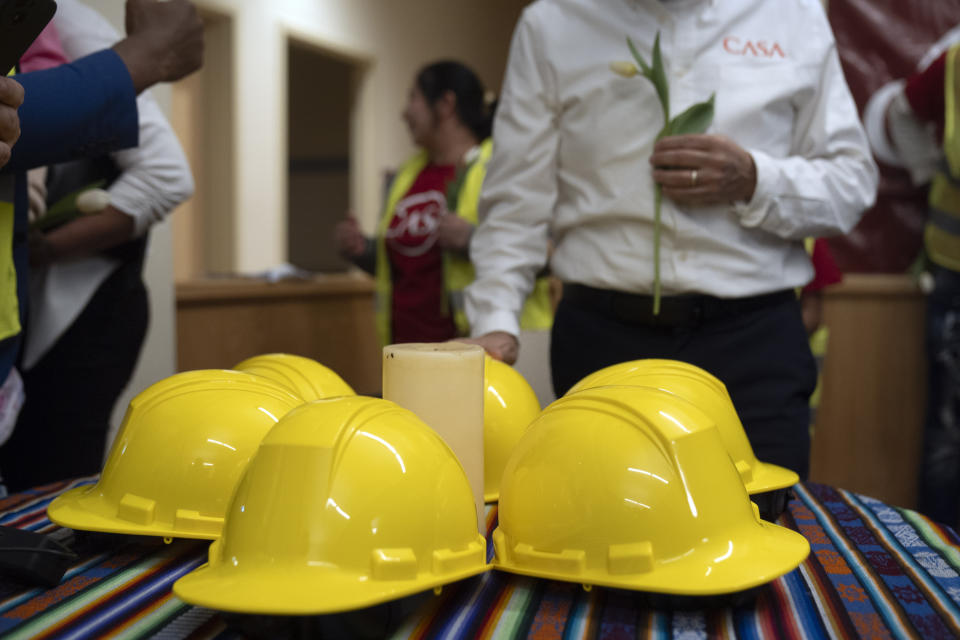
[(875, 571)]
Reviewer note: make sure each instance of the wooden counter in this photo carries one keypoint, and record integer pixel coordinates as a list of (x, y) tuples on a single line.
[(329, 318), (869, 428)]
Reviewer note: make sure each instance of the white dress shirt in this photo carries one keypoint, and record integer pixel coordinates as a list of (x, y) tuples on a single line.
[(572, 142), (155, 177)]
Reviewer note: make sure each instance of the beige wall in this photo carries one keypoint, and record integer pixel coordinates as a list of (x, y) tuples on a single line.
[(389, 41), (202, 115)]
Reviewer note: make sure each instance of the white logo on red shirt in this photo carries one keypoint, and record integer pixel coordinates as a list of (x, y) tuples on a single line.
[(413, 230), (752, 48)]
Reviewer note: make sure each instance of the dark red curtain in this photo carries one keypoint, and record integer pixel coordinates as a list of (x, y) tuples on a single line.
[(878, 41)]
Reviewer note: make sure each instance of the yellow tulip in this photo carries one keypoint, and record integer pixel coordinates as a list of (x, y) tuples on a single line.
[(624, 68)]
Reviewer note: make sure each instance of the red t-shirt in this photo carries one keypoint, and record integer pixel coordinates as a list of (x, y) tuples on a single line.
[(825, 270), (418, 311)]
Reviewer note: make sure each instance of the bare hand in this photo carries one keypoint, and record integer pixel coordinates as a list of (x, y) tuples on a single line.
[(81, 237), (164, 41), (453, 232), (499, 344), (11, 97), (811, 308), (702, 170), (351, 243)]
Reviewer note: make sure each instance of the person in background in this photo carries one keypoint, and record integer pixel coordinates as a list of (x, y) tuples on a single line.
[(11, 385), (825, 273), (914, 123), (88, 311), (83, 109), (419, 255), (577, 157)]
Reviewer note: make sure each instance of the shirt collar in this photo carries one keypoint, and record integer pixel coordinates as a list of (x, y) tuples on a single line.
[(661, 6)]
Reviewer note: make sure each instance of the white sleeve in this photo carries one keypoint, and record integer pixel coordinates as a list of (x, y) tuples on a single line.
[(916, 141), (830, 178), (509, 247), (155, 176), (897, 136)]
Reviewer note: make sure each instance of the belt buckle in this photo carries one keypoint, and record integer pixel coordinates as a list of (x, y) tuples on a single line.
[(633, 309)]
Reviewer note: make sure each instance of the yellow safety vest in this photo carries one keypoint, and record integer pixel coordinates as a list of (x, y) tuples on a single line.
[(942, 233), (457, 270), (9, 305)]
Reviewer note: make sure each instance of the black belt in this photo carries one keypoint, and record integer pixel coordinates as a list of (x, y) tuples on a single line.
[(675, 311)]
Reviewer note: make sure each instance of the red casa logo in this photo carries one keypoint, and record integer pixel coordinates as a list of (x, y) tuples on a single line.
[(754, 48)]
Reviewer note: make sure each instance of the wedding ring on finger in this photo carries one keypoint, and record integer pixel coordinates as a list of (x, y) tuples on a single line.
[(693, 178)]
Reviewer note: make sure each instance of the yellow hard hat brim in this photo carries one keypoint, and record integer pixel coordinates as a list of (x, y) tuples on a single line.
[(770, 477), (753, 559), (298, 591), (77, 509)]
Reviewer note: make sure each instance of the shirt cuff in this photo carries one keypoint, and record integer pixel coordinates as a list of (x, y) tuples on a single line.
[(875, 122), (752, 213), (498, 320)]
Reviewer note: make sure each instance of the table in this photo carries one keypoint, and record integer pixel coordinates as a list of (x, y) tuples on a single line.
[(875, 571)]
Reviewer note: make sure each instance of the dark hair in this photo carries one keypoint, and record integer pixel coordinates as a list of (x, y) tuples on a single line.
[(434, 80)]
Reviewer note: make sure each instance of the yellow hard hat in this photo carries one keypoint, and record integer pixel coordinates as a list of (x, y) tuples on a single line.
[(630, 487), (181, 450), (509, 406), (348, 503), (709, 395), (307, 378)]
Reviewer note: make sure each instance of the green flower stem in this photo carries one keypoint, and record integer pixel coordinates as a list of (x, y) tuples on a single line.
[(695, 119), (657, 197)]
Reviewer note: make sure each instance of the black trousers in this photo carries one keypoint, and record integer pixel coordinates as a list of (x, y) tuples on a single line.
[(759, 350), (72, 390), (939, 490)]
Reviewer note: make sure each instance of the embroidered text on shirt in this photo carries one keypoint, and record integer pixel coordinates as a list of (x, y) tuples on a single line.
[(754, 48)]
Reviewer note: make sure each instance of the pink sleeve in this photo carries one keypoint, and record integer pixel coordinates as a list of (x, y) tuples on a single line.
[(45, 52)]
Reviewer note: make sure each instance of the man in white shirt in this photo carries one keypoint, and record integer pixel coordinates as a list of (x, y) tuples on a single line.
[(785, 158)]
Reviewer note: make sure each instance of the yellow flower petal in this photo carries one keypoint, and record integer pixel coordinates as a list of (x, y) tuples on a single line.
[(624, 68)]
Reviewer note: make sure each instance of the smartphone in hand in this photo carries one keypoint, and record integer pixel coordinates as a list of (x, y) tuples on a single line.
[(21, 21)]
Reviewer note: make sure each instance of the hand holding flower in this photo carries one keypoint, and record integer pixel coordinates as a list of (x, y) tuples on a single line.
[(725, 172), (694, 120)]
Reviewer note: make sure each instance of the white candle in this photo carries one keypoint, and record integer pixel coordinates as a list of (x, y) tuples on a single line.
[(443, 384)]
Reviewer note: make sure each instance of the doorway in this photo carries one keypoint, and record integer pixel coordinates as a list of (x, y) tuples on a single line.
[(321, 92)]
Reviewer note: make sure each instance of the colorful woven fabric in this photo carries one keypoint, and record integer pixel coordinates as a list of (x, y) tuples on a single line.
[(875, 571)]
